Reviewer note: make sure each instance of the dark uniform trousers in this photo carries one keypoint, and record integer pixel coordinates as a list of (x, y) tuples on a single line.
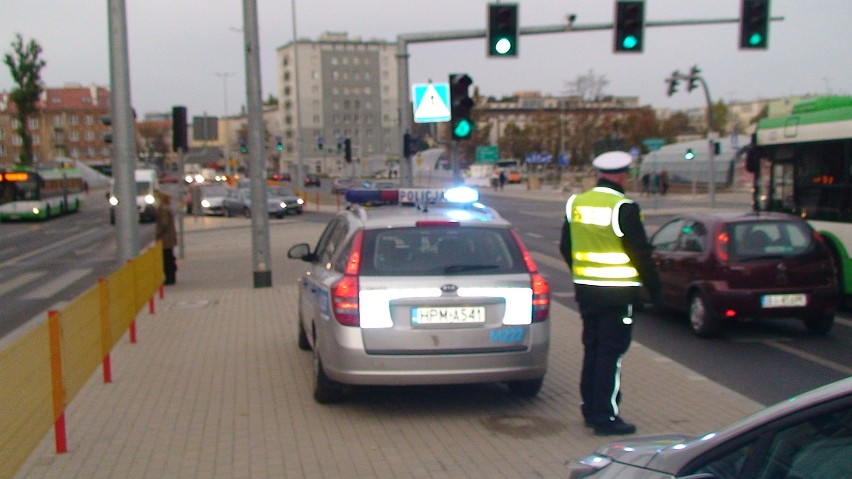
[(607, 331)]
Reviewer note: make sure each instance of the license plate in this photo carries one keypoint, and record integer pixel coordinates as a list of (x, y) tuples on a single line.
[(448, 315), (783, 300)]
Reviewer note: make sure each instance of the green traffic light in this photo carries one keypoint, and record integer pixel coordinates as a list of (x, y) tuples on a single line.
[(630, 42), (755, 39), (463, 128), (280, 147), (689, 154), (503, 46)]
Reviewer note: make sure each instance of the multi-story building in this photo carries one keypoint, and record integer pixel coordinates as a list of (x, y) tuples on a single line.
[(67, 124), (336, 88)]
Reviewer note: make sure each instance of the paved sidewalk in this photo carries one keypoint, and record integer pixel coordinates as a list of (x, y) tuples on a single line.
[(216, 387)]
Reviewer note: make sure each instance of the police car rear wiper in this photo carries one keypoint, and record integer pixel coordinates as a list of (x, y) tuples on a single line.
[(458, 268)]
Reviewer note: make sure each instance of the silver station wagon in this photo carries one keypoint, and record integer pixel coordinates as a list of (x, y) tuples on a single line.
[(428, 289)]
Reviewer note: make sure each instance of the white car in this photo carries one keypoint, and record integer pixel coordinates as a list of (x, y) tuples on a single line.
[(436, 293)]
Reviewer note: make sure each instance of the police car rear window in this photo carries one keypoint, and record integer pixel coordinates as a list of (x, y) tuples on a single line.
[(439, 250)]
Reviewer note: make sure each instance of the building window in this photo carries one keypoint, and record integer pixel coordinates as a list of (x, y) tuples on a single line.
[(90, 135), (74, 136), (36, 140), (57, 121), (90, 119), (32, 123), (73, 120)]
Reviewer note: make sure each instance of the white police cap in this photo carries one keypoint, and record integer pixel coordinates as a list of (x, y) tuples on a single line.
[(613, 161)]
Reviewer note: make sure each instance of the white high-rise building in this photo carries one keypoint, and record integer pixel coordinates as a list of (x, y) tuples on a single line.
[(339, 88)]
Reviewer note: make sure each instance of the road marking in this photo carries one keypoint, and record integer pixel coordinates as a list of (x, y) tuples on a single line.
[(59, 283), (535, 235), (22, 279), (807, 356), (38, 251)]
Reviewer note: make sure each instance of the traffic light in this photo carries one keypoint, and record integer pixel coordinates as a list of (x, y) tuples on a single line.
[(693, 78), (629, 25), (503, 30), (673, 81), (347, 150), (754, 24), (461, 123), (279, 145), (689, 155), (243, 146), (180, 140)]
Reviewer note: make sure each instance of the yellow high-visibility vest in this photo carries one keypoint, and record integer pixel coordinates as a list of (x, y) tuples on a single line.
[(598, 256)]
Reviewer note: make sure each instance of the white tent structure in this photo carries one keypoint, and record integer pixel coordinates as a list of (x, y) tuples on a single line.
[(671, 158)]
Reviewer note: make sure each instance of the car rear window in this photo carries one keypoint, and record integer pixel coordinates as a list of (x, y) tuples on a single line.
[(770, 239), (437, 250)]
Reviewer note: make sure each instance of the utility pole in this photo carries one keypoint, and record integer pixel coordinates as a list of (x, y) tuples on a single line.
[(259, 219), (124, 146)]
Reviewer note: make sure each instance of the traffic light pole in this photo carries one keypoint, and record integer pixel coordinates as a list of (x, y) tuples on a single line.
[(406, 108)]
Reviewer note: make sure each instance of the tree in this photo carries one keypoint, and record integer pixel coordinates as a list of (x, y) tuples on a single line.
[(25, 66)]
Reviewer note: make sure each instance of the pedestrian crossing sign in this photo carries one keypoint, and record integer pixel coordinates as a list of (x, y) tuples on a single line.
[(431, 102)]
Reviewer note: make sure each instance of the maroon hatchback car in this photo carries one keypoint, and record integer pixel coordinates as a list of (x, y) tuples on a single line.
[(740, 266)]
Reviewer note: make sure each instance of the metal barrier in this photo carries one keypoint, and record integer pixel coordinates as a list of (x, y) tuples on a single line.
[(42, 372)]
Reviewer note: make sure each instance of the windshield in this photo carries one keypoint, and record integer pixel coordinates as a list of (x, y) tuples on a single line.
[(280, 192)]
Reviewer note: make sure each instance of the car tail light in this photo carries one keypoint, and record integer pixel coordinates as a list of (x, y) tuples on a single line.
[(540, 286), (437, 223), (344, 293), (723, 240)]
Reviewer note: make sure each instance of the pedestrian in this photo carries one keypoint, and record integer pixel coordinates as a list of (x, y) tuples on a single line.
[(502, 178), (167, 234), (605, 245), (646, 184), (664, 182)]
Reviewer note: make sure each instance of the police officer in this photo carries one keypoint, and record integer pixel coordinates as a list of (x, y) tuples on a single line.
[(604, 243)]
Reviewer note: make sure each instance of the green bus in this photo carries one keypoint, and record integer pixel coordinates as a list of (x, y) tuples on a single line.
[(39, 193), (802, 164)]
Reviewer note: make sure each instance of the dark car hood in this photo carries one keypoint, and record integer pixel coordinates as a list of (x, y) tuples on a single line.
[(642, 451)]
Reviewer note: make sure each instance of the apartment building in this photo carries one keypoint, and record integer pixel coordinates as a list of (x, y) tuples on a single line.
[(334, 88), (67, 124)]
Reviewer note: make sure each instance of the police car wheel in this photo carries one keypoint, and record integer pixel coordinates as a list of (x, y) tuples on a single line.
[(527, 388), (304, 345), (704, 324), (326, 391)]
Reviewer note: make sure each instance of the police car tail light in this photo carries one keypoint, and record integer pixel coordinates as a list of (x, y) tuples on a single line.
[(428, 223), (540, 286), (344, 293)]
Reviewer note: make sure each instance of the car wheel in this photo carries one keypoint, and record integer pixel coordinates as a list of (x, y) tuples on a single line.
[(704, 324), (326, 391), (247, 212), (299, 211), (304, 344), (820, 325), (527, 388)]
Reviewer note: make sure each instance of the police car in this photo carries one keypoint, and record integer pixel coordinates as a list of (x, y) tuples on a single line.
[(431, 288)]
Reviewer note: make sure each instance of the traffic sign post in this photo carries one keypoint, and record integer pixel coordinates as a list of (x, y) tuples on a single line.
[(431, 102)]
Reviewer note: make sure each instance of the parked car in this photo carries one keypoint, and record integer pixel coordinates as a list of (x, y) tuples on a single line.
[(807, 436), (280, 201), (736, 266), (312, 179), (396, 295), (514, 176)]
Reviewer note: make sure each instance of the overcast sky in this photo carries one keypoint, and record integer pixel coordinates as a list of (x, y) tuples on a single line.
[(189, 52)]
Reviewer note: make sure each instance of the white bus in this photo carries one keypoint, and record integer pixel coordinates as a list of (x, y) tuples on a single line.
[(803, 165), (36, 193)]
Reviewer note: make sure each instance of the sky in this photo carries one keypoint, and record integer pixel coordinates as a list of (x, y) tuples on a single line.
[(190, 52)]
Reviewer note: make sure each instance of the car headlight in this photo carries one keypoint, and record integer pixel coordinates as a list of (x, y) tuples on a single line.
[(205, 203), (587, 466), (113, 200), (149, 199), (300, 201)]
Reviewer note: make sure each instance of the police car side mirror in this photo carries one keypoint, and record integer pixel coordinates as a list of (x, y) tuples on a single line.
[(301, 251)]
